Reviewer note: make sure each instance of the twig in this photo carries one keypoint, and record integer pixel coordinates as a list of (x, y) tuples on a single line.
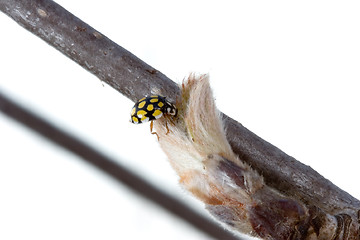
[(135, 79), (112, 168), (88, 47)]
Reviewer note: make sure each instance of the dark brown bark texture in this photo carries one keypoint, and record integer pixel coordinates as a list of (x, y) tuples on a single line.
[(135, 79)]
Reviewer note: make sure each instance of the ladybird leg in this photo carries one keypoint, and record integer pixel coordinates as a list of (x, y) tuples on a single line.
[(167, 128), (151, 130), (172, 121)]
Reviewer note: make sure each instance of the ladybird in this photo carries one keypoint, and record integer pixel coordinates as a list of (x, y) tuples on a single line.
[(152, 108)]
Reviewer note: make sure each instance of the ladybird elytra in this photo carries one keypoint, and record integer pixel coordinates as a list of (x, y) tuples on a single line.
[(151, 108), (141, 104), (134, 120), (141, 113), (157, 113)]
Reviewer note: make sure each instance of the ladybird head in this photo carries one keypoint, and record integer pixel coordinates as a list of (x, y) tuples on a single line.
[(171, 109)]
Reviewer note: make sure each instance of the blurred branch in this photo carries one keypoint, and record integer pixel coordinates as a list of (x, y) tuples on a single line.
[(112, 168), (135, 79)]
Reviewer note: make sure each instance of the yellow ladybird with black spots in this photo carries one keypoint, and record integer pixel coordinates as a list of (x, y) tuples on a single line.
[(151, 108)]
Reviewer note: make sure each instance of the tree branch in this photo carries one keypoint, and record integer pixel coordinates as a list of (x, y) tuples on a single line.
[(135, 79), (110, 167)]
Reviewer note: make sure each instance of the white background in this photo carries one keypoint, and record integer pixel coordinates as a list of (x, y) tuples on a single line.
[(288, 71)]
